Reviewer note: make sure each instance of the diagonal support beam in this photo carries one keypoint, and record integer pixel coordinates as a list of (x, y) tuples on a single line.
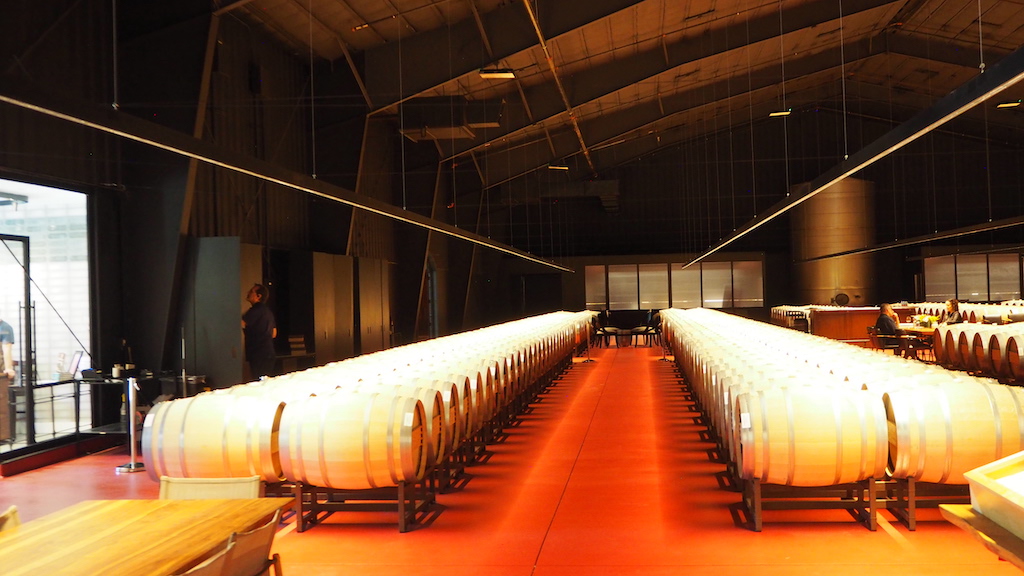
[(589, 85), (400, 70), (150, 134), (1006, 73)]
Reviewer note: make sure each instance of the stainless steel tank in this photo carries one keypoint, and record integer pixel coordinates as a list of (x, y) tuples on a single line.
[(837, 219)]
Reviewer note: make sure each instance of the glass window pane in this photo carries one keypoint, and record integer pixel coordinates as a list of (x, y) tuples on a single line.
[(597, 294), (939, 279), (972, 277), (622, 287), (653, 286), (716, 282), (748, 284), (685, 286), (1003, 277)]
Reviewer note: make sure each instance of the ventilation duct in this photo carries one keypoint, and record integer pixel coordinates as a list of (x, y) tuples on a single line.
[(448, 118)]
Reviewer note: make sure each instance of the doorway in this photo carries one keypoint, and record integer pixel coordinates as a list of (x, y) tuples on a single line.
[(44, 297)]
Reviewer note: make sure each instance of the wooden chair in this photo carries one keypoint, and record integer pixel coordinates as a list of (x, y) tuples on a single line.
[(206, 488), (9, 520), (213, 566), (876, 341), (251, 556)]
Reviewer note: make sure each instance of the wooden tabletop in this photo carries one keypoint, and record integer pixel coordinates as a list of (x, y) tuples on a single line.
[(918, 330), (130, 537), (997, 539)]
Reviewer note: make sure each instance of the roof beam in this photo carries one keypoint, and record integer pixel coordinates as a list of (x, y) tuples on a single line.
[(402, 69), (617, 125), (589, 85)]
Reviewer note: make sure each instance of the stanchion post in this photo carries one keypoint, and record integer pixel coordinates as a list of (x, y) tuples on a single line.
[(134, 465)]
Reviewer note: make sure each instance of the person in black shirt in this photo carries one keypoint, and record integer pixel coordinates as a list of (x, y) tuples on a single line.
[(887, 326), (260, 329)]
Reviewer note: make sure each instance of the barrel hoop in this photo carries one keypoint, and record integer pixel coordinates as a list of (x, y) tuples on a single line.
[(367, 466), (181, 438), (389, 440), (947, 416), (1020, 417), (764, 437), (997, 421), (162, 458)]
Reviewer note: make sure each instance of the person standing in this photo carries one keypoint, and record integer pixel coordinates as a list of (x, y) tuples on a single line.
[(6, 377), (260, 329)]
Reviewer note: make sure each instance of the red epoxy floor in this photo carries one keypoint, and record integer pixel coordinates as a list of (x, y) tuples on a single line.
[(607, 475)]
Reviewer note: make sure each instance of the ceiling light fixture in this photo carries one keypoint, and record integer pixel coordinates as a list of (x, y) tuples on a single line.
[(360, 27), (557, 167), (786, 112), (1011, 104), (495, 73)]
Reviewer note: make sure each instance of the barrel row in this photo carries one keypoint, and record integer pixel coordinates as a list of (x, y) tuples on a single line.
[(991, 349), (796, 409), (366, 422)]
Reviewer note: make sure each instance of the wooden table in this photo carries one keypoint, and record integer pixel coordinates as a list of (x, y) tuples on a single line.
[(129, 537), (997, 539)]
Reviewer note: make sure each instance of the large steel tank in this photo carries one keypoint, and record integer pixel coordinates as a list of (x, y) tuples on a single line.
[(837, 219)]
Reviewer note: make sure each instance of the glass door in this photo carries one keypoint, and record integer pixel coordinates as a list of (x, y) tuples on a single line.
[(16, 366)]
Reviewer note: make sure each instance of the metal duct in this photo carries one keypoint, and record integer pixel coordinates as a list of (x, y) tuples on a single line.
[(838, 219)]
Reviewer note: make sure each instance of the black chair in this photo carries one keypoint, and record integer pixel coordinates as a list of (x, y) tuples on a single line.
[(882, 343), (650, 332)]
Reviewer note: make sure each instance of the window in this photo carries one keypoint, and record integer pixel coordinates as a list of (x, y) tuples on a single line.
[(653, 286), (716, 284), (737, 284), (747, 284), (972, 277), (597, 293), (685, 286), (940, 278), (623, 293)]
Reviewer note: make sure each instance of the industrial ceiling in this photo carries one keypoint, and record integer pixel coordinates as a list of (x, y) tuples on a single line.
[(600, 83)]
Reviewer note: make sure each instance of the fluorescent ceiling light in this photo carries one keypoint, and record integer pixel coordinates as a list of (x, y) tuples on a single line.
[(781, 113), (1012, 104), (557, 167), (497, 73)]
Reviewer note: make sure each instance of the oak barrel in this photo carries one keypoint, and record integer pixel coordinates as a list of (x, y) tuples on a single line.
[(804, 436), (353, 440), (213, 435), (939, 431)]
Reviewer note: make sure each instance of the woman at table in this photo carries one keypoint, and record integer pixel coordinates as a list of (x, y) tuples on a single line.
[(952, 313), (887, 326)]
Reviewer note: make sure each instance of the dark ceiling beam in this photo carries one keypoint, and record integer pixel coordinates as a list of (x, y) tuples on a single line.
[(589, 85), (304, 9), (939, 50), (994, 80), (620, 124), (402, 69), (230, 7), (558, 83)]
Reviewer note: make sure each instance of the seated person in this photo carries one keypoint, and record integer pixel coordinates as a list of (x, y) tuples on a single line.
[(887, 326), (952, 313)]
